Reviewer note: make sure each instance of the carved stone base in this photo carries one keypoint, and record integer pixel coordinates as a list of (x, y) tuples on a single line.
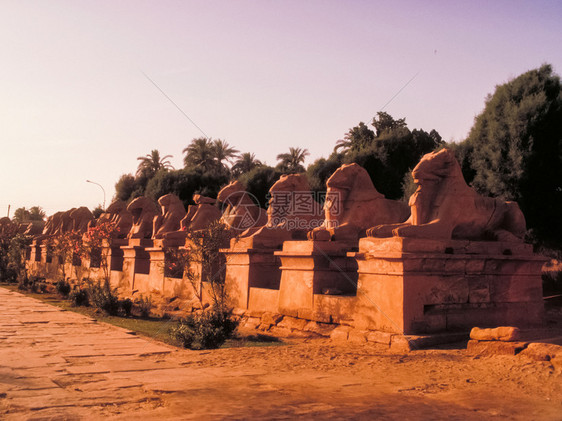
[(311, 271), (414, 286), (252, 278)]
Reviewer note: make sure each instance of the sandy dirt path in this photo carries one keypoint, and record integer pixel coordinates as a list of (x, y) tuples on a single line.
[(60, 365)]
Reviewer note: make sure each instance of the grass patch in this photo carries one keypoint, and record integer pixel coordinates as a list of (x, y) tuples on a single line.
[(157, 329)]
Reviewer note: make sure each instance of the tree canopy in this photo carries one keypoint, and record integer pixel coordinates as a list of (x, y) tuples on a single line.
[(514, 149), (292, 161)]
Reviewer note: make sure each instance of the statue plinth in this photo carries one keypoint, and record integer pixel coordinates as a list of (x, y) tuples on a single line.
[(313, 273), (414, 286), (252, 277)]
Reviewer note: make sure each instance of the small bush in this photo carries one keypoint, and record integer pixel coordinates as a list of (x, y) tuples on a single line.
[(104, 298), (63, 288), (144, 304), (79, 297), (126, 306), (207, 330)]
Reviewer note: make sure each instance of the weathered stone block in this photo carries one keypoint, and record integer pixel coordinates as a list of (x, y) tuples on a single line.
[(357, 336), (379, 337), (502, 333), (292, 323), (494, 347), (542, 351), (340, 333)]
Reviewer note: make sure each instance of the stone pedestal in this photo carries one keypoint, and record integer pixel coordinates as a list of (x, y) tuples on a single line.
[(415, 286), (312, 270), (252, 278), (136, 262), (35, 255)]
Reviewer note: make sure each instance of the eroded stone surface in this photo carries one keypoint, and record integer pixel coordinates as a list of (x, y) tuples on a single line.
[(353, 205), (445, 207)]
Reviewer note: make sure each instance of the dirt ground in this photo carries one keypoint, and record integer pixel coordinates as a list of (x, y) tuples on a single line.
[(57, 366)]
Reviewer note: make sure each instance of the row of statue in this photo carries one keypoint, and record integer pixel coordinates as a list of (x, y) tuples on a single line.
[(442, 207)]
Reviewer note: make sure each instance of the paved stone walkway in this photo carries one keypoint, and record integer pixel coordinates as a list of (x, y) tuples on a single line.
[(56, 364)]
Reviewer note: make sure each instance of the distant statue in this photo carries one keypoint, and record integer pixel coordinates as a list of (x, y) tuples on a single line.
[(65, 223), (51, 225), (117, 214), (143, 210), (80, 217), (353, 204), (34, 228), (445, 207), (173, 212), (241, 212), (202, 214), (291, 213)]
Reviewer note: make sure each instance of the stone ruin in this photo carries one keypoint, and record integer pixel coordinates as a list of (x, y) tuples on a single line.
[(449, 261)]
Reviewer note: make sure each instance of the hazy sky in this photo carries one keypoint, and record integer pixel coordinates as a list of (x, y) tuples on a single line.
[(263, 75)]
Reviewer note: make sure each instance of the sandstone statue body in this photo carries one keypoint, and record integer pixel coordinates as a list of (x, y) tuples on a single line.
[(80, 217), (173, 212), (353, 205), (291, 213), (121, 217), (445, 207), (241, 212), (202, 214), (143, 210)]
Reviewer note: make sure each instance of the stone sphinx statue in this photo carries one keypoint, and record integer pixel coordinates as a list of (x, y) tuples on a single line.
[(81, 218), (50, 227), (202, 214), (119, 214), (34, 228), (353, 205), (241, 212), (172, 213), (143, 211), (445, 207), (64, 223), (292, 212)]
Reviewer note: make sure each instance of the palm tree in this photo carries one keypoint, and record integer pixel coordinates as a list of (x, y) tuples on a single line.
[(152, 163), (200, 152), (292, 162), (223, 152), (245, 163), (36, 213), (356, 138)]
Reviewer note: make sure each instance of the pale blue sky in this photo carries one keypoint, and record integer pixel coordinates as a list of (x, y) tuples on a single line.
[(263, 75)]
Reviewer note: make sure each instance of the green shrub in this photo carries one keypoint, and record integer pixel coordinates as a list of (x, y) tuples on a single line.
[(126, 306), (79, 297), (104, 298), (63, 288), (207, 330), (144, 304)]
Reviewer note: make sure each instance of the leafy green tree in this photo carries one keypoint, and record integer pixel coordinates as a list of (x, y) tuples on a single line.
[(320, 170), (125, 187), (21, 215), (515, 149), (390, 153), (184, 183), (259, 180), (152, 163), (291, 162), (246, 162), (356, 138)]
